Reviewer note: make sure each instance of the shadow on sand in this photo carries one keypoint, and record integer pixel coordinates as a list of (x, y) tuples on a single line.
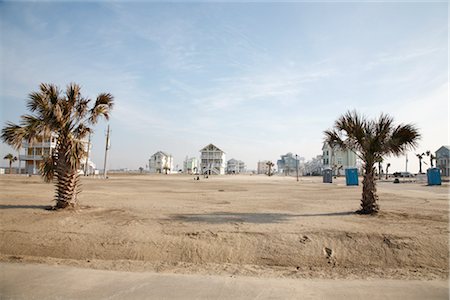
[(15, 206), (257, 218)]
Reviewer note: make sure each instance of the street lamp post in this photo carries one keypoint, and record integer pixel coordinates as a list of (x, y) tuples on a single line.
[(296, 164)]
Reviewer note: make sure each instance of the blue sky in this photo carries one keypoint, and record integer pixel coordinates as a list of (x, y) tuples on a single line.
[(256, 79)]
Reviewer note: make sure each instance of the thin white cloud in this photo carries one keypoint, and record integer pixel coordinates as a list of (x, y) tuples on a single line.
[(396, 57)]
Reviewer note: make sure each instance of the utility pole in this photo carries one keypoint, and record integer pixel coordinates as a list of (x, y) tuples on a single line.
[(406, 167), (296, 164), (86, 165), (106, 152)]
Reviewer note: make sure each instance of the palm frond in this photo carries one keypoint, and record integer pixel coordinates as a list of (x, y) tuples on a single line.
[(103, 105), (81, 131), (47, 167), (13, 135), (333, 138), (81, 108), (403, 138)]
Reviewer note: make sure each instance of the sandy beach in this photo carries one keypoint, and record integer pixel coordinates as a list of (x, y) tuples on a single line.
[(230, 225)]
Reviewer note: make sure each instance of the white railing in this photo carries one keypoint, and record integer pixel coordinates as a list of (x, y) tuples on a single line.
[(38, 145), (30, 157)]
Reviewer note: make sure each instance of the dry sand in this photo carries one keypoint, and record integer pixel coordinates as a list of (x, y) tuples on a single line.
[(230, 225)]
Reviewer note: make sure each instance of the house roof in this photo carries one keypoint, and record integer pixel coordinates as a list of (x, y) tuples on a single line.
[(443, 148), (162, 153), (211, 147)]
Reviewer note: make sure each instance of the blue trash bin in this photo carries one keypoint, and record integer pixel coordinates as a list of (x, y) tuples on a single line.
[(434, 176), (351, 176)]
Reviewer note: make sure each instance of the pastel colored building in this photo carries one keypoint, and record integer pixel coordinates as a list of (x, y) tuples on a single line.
[(337, 159), (190, 165)]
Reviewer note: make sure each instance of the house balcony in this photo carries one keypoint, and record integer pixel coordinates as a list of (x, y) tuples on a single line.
[(39, 145), (30, 157)]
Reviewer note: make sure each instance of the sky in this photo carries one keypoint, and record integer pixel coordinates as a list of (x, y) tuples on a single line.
[(258, 80)]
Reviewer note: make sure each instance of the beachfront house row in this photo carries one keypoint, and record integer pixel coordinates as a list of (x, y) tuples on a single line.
[(235, 166), (289, 163), (34, 153), (161, 163), (262, 167), (212, 160), (190, 165), (443, 160), (337, 159)]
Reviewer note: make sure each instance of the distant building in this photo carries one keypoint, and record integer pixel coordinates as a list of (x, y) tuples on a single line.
[(314, 166), (212, 160), (160, 162), (263, 168), (288, 164), (443, 160), (190, 165), (235, 166), (338, 159)]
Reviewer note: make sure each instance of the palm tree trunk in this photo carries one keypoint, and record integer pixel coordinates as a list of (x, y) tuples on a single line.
[(10, 167), (369, 200), (67, 183)]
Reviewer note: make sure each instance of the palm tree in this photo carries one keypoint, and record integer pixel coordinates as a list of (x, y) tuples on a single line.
[(270, 165), (67, 116), (432, 157), (11, 159), (420, 157), (371, 140), (387, 170)]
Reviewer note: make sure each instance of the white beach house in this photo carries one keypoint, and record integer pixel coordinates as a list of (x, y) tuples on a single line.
[(263, 168), (160, 162), (212, 160), (235, 166), (34, 153)]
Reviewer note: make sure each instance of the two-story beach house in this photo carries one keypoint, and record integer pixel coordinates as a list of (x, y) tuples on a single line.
[(235, 166), (34, 153), (160, 162), (212, 160)]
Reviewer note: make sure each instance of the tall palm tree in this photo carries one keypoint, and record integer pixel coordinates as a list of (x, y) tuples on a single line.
[(68, 116), (11, 159), (371, 140)]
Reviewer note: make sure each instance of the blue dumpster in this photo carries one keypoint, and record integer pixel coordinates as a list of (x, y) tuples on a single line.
[(327, 176), (434, 176), (351, 176)]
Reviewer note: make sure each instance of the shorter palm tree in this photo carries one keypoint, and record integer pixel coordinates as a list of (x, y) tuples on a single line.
[(387, 170), (11, 159), (371, 140), (432, 157), (270, 165)]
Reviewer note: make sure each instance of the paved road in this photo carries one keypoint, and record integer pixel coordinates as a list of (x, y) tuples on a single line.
[(30, 281)]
